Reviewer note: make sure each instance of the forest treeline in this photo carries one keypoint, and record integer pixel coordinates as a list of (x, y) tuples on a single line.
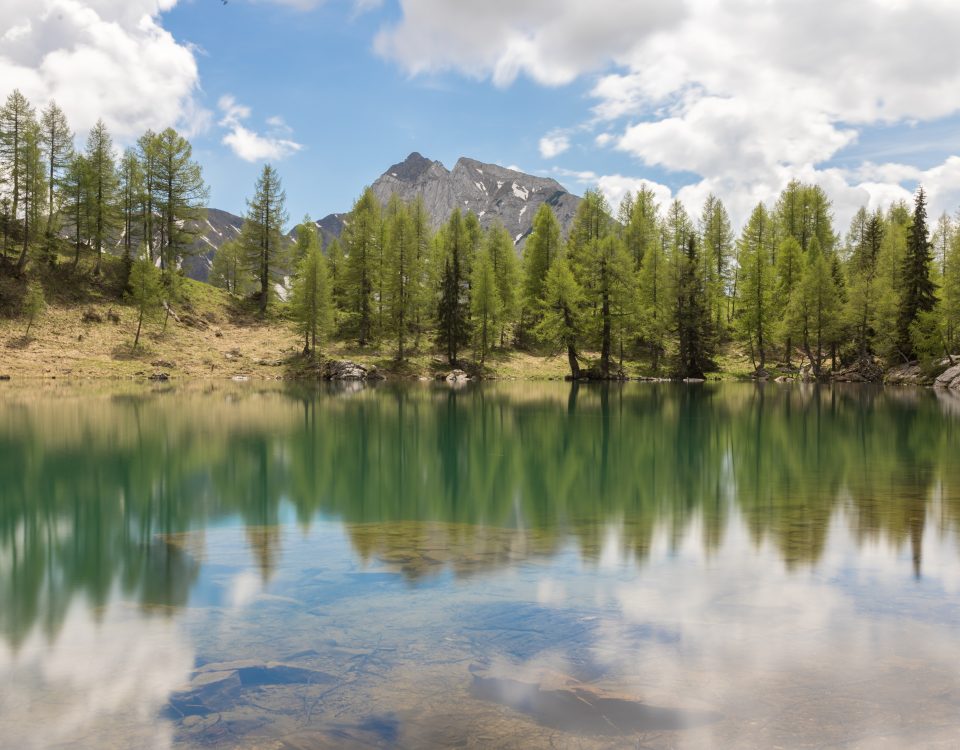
[(646, 282)]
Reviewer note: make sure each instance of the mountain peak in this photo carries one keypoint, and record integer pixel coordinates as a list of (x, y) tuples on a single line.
[(413, 168)]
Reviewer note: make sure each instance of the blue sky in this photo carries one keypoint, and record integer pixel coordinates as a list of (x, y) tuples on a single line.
[(687, 96)]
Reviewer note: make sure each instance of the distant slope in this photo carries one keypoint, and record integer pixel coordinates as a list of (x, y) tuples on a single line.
[(219, 227)]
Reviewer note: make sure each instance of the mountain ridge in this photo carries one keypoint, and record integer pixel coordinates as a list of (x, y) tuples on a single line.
[(494, 193)]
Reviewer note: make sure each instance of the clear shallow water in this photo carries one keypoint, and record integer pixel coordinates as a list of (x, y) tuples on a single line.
[(505, 566)]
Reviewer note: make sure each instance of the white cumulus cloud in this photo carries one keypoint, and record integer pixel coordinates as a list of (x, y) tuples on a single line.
[(742, 95), (250, 145), (101, 58), (553, 144)]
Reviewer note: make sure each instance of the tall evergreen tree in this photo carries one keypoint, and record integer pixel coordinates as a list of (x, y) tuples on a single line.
[(755, 311), (813, 310), (311, 302), (148, 154), (540, 250), (788, 272), (180, 195), (653, 283), (693, 316), (485, 302), (76, 201), (131, 191), (262, 232), (16, 116), (57, 143), (455, 244), (715, 254), (33, 192), (103, 184), (361, 239), (951, 296), (917, 289), (503, 259), (641, 229), (401, 275), (229, 269), (562, 319)]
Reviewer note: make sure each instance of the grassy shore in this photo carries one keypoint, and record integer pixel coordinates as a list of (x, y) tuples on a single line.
[(211, 334)]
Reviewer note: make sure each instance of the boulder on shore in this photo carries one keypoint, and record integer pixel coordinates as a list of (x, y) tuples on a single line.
[(864, 370), (949, 378), (344, 369)]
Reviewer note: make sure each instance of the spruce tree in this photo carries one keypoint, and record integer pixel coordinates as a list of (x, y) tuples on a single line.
[(693, 316), (455, 244), (917, 292)]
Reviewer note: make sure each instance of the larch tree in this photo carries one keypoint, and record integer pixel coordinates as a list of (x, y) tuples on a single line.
[(147, 153), (641, 229), (262, 237), (789, 269), (311, 303), (499, 248), (813, 312), (653, 284), (401, 275), (361, 238), (755, 320), (144, 292), (541, 248), (951, 295), (423, 236), (917, 292), (57, 143), (103, 187), (229, 269), (33, 194), (180, 195), (76, 201), (34, 303), (485, 303), (716, 251), (561, 322), (862, 308), (16, 116), (131, 191)]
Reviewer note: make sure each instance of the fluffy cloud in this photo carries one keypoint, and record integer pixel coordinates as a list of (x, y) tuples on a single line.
[(747, 94), (250, 145), (553, 144), (100, 58)]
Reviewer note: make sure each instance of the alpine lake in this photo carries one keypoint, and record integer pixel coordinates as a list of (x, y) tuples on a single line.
[(503, 565)]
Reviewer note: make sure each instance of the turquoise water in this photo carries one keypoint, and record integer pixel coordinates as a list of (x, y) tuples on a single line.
[(507, 565)]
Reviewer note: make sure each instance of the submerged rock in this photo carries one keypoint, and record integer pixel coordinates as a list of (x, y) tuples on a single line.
[(563, 702)]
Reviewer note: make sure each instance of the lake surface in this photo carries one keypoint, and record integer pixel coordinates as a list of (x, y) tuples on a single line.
[(506, 565)]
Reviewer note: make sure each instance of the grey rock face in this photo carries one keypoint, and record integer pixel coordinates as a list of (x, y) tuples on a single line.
[(217, 228), (949, 379)]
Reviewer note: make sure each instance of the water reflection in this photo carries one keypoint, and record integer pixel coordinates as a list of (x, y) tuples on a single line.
[(756, 564)]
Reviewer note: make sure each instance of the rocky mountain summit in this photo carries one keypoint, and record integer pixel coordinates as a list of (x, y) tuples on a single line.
[(492, 192)]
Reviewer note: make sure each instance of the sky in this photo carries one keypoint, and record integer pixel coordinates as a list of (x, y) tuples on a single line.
[(733, 97)]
